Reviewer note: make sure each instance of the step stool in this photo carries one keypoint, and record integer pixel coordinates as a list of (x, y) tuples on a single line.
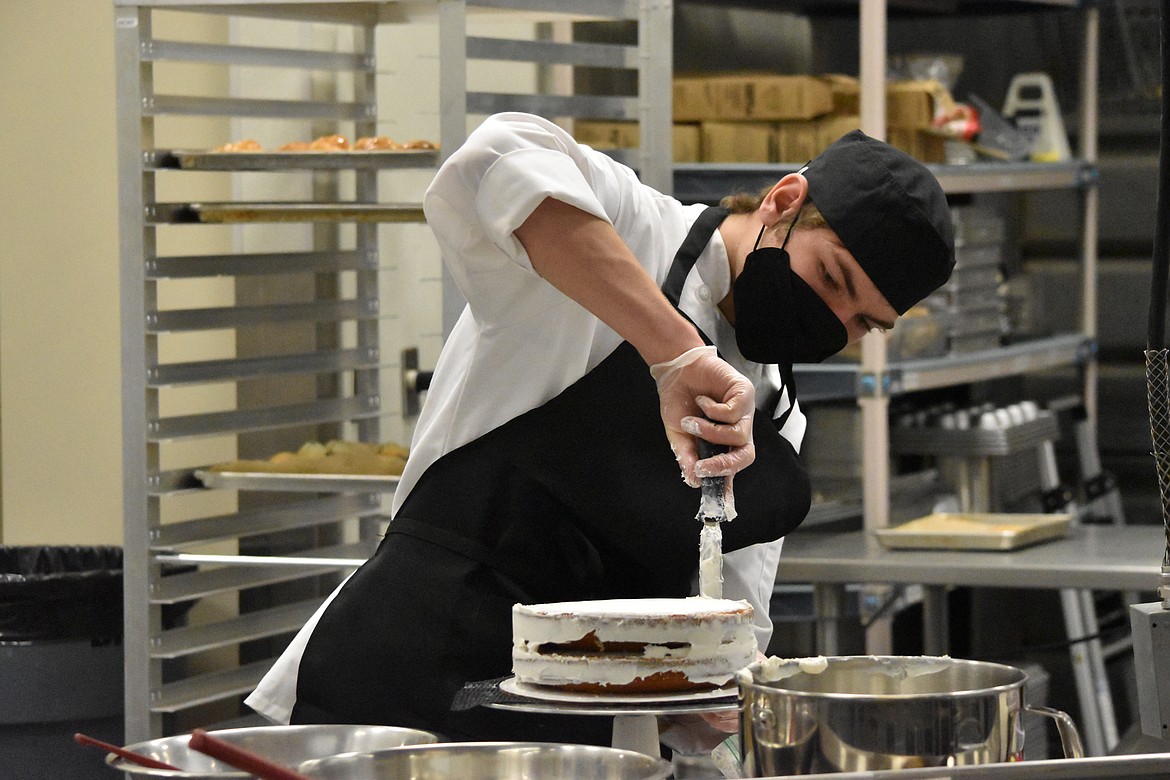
[(1031, 104)]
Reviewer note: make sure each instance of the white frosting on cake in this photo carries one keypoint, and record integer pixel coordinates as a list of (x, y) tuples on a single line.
[(705, 639)]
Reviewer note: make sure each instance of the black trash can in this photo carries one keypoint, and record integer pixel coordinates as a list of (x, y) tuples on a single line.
[(60, 659)]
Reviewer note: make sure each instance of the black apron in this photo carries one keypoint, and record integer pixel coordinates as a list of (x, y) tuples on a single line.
[(577, 499)]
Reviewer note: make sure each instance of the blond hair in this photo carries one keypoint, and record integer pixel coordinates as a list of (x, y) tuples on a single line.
[(746, 203)]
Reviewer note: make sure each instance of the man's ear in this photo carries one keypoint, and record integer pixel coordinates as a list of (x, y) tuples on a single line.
[(784, 200)]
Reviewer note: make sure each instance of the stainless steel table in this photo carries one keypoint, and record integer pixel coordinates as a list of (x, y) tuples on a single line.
[(1108, 558), (1091, 557), (1126, 558)]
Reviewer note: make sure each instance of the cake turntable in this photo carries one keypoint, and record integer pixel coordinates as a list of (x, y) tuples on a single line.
[(635, 716)]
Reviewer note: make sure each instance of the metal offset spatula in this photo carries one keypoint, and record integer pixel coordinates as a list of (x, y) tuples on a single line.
[(712, 512)]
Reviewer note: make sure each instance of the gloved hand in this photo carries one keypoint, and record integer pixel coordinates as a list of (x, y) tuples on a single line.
[(696, 735), (692, 734), (701, 395), (725, 721)]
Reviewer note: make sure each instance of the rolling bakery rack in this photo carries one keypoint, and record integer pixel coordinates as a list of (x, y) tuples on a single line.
[(263, 293)]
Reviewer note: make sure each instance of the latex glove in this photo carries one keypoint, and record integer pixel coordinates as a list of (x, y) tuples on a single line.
[(695, 735), (701, 395), (725, 722)]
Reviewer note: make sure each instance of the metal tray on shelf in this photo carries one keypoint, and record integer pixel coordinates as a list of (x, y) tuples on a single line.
[(276, 161), (974, 531), (300, 483), (954, 442), (237, 213)]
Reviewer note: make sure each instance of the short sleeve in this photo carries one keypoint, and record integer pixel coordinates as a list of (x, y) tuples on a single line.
[(518, 182), (502, 172)]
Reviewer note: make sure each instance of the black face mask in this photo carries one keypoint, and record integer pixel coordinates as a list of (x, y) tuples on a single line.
[(778, 317)]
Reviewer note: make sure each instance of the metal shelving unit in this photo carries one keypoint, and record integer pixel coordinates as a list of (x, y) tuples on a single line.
[(702, 182), (285, 364), (345, 370), (839, 381), (875, 379)]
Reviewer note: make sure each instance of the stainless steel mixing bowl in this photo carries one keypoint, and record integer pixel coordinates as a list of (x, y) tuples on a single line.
[(884, 712), (491, 761), (286, 745)]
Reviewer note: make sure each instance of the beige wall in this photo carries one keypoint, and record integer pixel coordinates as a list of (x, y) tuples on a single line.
[(60, 426), (60, 406)]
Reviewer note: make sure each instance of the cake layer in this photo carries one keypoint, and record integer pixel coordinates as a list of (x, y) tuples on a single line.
[(632, 644)]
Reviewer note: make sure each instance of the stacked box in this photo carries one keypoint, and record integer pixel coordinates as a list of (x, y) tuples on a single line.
[(800, 141), (911, 105), (920, 143), (615, 134), (730, 142), (755, 97), (693, 99), (768, 118), (764, 117), (910, 111), (804, 114), (846, 93)]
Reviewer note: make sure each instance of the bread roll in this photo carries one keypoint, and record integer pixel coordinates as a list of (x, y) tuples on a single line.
[(376, 143), (247, 145)]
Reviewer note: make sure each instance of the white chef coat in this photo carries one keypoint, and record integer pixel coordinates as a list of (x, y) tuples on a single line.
[(520, 342)]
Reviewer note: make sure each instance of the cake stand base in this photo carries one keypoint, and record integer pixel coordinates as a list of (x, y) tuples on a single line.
[(638, 733), (635, 717)]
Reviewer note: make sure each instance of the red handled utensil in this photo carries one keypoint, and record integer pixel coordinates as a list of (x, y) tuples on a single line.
[(241, 758), (129, 755)]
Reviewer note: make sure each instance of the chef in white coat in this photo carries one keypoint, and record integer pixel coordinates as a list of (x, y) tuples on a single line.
[(607, 326)]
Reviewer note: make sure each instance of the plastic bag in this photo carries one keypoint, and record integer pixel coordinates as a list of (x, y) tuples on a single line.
[(60, 593)]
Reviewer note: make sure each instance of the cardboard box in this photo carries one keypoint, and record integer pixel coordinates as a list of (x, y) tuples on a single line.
[(726, 142), (911, 104), (688, 143), (750, 97), (918, 143), (800, 141), (756, 97), (693, 98), (846, 93), (833, 127), (605, 134)]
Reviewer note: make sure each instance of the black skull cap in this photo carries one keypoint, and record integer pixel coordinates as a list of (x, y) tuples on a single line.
[(890, 213)]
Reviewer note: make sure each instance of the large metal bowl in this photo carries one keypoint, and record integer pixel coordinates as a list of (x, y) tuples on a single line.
[(286, 745), (491, 761), (846, 714)]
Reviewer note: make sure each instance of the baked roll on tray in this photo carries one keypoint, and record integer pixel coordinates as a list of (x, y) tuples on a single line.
[(334, 457), (333, 143)]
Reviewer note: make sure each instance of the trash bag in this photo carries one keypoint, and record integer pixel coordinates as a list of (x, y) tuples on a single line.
[(50, 593)]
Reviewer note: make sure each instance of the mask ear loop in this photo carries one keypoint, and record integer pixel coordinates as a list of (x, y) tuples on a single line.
[(791, 225)]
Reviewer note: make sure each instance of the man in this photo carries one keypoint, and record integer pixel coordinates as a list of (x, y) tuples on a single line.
[(602, 314)]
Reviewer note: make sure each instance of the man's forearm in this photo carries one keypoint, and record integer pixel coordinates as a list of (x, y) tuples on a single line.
[(583, 257)]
